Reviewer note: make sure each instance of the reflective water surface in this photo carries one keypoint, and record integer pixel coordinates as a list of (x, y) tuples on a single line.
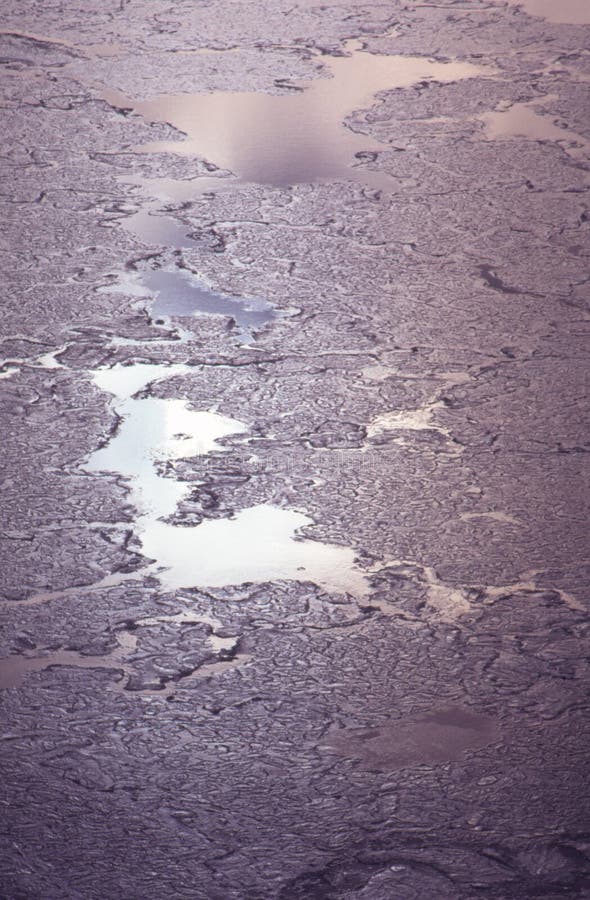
[(258, 544), (430, 739), (179, 293), (15, 668), (572, 12), (296, 137), (158, 229), (522, 120), (152, 430)]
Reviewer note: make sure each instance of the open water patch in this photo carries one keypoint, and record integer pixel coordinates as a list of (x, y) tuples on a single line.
[(178, 293), (434, 738), (258, 544), (296, 137), (154, 228), (564, 12), (14, 669), (154, 430), (522, 121)]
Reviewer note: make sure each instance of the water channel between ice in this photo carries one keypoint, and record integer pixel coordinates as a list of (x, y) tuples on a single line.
[(259, 544)]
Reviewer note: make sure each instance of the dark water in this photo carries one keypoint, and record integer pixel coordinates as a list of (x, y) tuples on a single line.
[(431, 739)]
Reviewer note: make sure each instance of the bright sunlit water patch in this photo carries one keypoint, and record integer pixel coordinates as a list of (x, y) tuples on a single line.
[(154, 228), (125, 381), (154, 430), (259, 544)]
